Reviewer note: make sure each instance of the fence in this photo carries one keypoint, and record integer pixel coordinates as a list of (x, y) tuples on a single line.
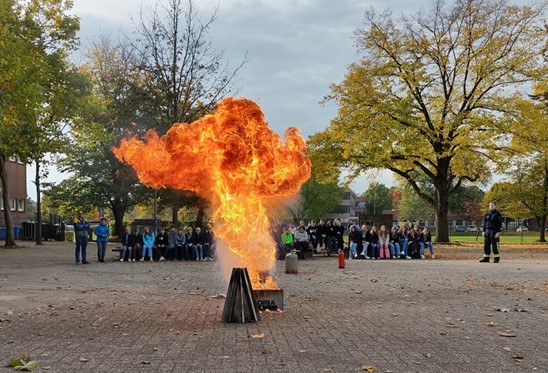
[(53, 230)]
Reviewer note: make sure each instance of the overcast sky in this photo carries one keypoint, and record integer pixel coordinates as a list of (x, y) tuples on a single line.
[(296, 49)]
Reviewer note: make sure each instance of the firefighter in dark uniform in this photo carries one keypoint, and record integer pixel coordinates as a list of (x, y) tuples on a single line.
[(492, 225)]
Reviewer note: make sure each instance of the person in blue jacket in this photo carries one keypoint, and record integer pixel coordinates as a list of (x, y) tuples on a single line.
[(148, 244), (81, 227), (102, 232)]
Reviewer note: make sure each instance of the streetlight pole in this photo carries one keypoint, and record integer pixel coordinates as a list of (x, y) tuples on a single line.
[(155, 212)]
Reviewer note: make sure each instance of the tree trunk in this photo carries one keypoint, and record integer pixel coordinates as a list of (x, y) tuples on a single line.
[(442, 227), (542, 227), (119, 207), (38, 229), (10, 238), (175, 207), (200, 215)]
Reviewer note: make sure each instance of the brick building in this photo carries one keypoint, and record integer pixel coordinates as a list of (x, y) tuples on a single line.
[(17, 179)]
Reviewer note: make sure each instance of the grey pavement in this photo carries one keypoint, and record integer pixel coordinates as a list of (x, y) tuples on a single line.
[(430, 315)]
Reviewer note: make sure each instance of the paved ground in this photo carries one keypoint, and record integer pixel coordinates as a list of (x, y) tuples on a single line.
[(384, 316)]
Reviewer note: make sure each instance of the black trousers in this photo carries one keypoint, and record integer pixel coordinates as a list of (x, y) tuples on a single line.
[(490, 241)]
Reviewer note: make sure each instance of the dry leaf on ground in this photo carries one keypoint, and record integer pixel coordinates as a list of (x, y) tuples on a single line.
[(507, 335), (369, 368), (256, 335)]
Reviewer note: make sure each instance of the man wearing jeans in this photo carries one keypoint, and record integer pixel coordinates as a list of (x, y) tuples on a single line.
[(81, 227), (492, 225)]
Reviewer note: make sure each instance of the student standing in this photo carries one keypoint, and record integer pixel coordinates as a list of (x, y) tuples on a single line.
[(103, 233)]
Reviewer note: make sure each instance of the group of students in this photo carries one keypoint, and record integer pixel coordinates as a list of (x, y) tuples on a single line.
[(404, 242), (172, 244), (369, 242)]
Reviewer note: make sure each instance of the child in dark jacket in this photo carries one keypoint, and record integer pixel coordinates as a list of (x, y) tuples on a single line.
[(128, 243)]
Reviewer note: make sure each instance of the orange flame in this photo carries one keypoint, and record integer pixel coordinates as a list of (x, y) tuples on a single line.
[(233, 159)]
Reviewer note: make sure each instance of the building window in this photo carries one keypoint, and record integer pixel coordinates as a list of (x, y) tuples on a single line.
[(21, 205), (1, 204), (13, 204)]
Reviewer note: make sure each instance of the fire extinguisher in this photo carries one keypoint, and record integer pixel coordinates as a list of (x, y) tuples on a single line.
[(341, 259)]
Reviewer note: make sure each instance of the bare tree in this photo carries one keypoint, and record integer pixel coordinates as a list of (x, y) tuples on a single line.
[(186, 75)]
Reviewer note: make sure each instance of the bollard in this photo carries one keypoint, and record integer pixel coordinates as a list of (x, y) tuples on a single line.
[(291, 262), (341, 259)]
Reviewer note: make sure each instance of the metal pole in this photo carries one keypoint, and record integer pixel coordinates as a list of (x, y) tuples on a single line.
[(155, 212)]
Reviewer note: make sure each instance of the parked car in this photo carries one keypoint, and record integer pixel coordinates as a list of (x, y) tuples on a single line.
[(522, 229), (459, 228), (471, 228)]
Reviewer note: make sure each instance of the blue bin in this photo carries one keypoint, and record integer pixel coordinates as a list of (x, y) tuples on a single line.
[(16, 230), (2, 233)]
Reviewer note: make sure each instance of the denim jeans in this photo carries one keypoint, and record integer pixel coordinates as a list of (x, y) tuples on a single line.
[(198, 251), (403, 246), (365, 248), (375, 250), (430, 247), (101, 250), (353, 250), (81, 244), (147, 249), (126, 249), (394, 249)]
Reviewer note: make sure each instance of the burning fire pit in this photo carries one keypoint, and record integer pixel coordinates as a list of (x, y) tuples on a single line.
[(268, 295), (243, 302)]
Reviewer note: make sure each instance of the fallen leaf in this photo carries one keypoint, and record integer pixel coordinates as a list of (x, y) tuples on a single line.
[(517, 357), (490, 323), (369, 368), (83, 360), (145, 362), (502, 309), (507, 349), (256, 335), (428, 355), (507, 335)]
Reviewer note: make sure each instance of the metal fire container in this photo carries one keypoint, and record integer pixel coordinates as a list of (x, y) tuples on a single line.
[(292, 262), (240, 304), (267, 299)]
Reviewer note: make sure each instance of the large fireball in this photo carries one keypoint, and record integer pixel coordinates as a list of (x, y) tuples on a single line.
[(234, 160)]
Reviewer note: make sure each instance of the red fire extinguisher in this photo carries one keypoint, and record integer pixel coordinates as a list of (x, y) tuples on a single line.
[(341, 259)]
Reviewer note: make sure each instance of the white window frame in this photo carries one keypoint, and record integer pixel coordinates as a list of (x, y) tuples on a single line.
[(13, 204), (21, 205)]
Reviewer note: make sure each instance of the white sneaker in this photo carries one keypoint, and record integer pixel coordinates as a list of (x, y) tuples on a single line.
[(366, 257), (407, 257), (162, 259), (121, 260), (423, 257), (132, 260), (142, 259), (432, 256)]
